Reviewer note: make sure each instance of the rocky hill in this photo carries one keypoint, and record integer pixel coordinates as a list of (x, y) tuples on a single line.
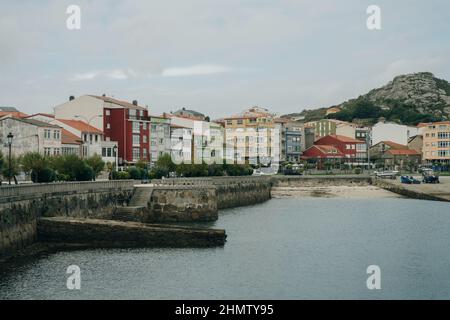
[(421, 91), (407, 99)]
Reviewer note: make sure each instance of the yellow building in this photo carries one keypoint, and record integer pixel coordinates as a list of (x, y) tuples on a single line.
[(436, 141), (251, 137)]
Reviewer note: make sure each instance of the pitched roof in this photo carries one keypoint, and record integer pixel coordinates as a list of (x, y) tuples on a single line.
[(397, 152), (328, 149), (69, 138), (80, 126), (42, 114), (32, 122), (121, 103), (394, 145), (343, 139)]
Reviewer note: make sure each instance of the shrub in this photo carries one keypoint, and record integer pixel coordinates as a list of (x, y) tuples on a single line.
[(96, 163), (84, 173), (120, 175), (358, 171), (135, 173), (44, 175)]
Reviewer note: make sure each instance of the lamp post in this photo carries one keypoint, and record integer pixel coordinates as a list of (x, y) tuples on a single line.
[(88, 121), (10, 137), (115, 156)]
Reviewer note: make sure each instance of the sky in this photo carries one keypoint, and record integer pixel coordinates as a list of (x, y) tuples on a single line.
[(218, 57)]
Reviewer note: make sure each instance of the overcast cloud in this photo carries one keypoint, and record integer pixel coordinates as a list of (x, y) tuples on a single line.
[(217, 57)]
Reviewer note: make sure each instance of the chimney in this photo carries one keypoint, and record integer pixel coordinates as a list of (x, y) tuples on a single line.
[(71, 98), (104, 95), (135, 103)]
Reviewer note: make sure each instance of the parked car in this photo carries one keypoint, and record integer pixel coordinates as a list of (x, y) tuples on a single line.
[(409, 180), (386, 174), (429, 176)]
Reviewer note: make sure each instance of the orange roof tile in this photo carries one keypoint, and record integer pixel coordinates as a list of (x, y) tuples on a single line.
[(69, 138), (80, 126), (395, 145), (119, 102), (408, 152)]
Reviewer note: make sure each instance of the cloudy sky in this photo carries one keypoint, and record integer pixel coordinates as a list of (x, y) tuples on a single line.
[(215, 56)]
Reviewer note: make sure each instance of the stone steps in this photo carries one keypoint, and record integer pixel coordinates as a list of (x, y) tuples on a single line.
[(141, 197), (128, 213)]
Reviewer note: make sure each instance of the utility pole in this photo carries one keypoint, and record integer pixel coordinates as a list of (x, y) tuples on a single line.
[(10, 137)]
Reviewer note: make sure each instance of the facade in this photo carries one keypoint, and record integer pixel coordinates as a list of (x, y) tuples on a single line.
[(159, 138), (326, 127), (385, 131), (416, 143), (354, 151), (254, 137), (207, 138), (30, 136), (393, 156), (121, 121), (181, 144), (436, 142), (294, 141), (70, 144), (321, 155)]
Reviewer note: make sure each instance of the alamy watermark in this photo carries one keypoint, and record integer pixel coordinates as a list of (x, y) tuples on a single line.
[(374, 280), (74, 280), (73, 22), (374, 19)]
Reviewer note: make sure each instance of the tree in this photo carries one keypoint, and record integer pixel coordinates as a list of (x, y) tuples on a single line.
[(7, 173), (96, 163), (165, 162)]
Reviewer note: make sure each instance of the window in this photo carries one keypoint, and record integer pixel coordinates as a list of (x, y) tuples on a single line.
[(136, 139), (144, 139), (229, 122), (144, 126), (56, 135), (144, 153), (239, 121), (103, 152), (107, 112), (136, 153), (47, 134), (108, 126), (136, 126), (109, 152), (96, 138)]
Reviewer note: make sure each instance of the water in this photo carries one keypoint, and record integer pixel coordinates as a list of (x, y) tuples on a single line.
[(304, 248)]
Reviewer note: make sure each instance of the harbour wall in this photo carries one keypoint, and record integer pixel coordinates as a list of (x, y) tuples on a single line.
[(321, 181), (22, 205)]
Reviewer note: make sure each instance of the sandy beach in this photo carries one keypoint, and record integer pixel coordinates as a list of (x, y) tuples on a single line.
[(333, 192)]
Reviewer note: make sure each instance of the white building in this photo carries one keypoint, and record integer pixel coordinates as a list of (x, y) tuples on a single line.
[(181, 144), (30, 136), (76, 133), (386, 131), (160, 142)]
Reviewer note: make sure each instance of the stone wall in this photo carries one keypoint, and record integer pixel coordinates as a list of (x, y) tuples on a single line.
[(115, 234), (182, 203), (238, 194), (21, 205), (319, 181)]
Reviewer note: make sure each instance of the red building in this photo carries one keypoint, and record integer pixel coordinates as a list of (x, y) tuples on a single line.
[(336, 149), (121, 121)]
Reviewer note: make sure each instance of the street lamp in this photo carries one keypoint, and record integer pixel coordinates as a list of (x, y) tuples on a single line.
[(10, 137), (88, 121)]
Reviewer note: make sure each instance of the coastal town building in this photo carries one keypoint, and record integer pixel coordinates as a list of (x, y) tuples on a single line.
[(436, 142), (338, 149), (121, 121), (159, 138), (416, 143), (293, 141), (92, 139), (326, 127), (388, 131), (253, 136), (181, 144), (30, 135), (394, 156)]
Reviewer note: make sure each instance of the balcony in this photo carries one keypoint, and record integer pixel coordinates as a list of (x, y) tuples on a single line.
[(138, 118)]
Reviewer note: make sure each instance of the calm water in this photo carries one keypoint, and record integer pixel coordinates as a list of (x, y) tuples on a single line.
[(283, 249)]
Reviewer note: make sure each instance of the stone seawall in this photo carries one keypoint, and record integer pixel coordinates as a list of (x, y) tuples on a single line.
[(21, 205), (115, 234), (243, 194), (321, 181), (183, 203)]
